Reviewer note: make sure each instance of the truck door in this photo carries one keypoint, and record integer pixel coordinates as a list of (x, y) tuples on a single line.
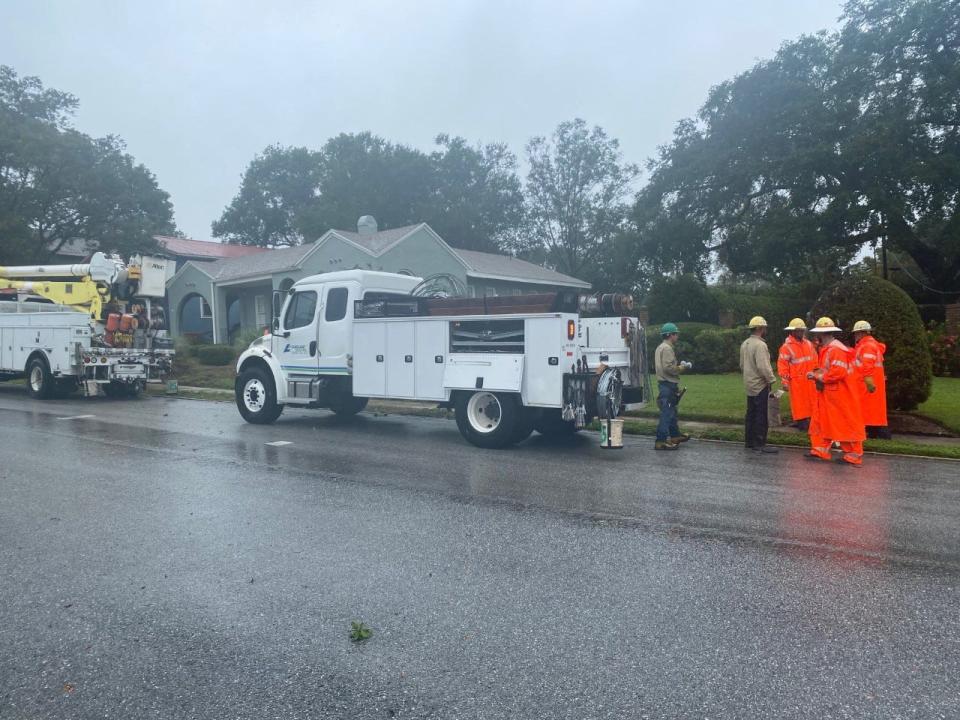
[(335, 329), (298, 351)]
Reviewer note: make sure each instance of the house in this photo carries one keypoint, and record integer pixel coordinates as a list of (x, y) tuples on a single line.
[(231, 295)]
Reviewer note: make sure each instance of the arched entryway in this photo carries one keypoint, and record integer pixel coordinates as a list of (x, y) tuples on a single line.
[(195, 318)]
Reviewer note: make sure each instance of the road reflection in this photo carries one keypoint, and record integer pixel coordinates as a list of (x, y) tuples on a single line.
[(845, 511)]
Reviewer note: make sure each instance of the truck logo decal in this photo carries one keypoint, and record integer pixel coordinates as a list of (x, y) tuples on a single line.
[(290, 347)]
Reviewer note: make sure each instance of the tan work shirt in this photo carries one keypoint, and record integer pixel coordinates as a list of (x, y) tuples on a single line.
[(755, 365), (665, 363)]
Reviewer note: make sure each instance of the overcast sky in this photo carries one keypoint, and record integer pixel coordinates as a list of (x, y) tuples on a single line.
[(197, 88)]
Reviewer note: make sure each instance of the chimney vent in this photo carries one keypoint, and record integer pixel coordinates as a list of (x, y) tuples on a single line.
[(367, 225)]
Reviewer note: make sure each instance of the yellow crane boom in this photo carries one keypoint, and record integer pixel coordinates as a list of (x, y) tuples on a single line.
[(87, 293)]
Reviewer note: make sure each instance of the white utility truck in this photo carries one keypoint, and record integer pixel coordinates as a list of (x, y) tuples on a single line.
[(89, 326), (507, 365)]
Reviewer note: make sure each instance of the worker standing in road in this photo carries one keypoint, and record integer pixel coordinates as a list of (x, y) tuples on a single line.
[(837, 416), (668, 371), (797, 357), (868, 366), (757, 378)]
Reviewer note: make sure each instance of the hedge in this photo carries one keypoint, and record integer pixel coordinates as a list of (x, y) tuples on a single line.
[(896, 322), (711, 348), (214, 354)]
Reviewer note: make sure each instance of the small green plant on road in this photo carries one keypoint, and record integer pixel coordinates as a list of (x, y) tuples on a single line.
[(359, 632)]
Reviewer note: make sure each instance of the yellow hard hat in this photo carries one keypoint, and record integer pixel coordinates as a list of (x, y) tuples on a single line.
[(757, 321), (825, 324), (796, 324), (862, 325)]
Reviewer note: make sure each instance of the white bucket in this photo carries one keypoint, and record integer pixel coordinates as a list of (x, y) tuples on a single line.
[(611, 434)]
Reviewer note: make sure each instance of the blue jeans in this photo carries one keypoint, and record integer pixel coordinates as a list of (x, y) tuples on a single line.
[(667, 402)]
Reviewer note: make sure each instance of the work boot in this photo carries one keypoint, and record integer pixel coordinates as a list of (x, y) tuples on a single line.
[(766, 450), (665, 445), (846, 463), (681, 438)]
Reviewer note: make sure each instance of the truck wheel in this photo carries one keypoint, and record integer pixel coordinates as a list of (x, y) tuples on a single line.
[(40, 381), (487, 419), (551, 424), (257, 397), (348, 405)]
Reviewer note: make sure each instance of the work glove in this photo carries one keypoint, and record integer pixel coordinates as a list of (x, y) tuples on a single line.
[(785, 386), (820, 385), (871, 385)]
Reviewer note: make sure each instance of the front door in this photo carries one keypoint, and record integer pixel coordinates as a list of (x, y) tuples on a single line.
[(298, 350)]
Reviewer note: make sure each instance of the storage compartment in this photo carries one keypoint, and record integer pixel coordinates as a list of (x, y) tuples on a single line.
[(471, 371)]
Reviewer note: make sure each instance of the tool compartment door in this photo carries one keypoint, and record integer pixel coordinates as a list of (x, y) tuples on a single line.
[(430, 359), (489, 371), (401, 352), (370, 359)]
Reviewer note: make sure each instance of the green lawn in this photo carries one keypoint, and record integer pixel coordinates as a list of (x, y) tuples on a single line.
[(944, 403), (720, 398)]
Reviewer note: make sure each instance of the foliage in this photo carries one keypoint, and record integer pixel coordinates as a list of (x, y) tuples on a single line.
[(576, 187), (683, 298), (243, 339), (944, 351), (58, 185), (359, 631), (896, 322), (470, 195), (839, 140), (213, 354), (277, 189), (711, 348)]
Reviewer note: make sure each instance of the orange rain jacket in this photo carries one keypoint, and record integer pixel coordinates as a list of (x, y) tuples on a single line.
[(796, 359), (837, 414), (868, 362)]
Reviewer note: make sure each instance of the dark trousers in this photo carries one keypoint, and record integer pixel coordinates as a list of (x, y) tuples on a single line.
[(755, 435), (667, 402)]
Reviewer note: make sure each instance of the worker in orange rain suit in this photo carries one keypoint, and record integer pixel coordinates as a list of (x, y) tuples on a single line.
[(798, 357), (837, 416), (868, 366)]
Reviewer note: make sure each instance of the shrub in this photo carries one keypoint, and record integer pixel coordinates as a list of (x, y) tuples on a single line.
[(682, 299), (214, 354), (717, 351), (944, 351), (710, 348), (243, 339), (896, 322)]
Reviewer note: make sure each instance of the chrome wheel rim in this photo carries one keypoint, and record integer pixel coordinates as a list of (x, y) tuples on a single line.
[(36, 378), (484, 412), (254, 395)]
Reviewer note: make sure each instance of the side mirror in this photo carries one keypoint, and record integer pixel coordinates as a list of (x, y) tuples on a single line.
[(276, 325), (276, 306)]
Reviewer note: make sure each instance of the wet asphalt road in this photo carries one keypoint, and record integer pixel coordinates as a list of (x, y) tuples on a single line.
[(159, 559)]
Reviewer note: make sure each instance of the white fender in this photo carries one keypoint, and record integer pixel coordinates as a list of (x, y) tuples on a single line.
[(260, 348)]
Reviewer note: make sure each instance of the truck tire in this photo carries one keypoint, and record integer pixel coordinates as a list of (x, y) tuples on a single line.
[(40, 381), (488, 419), (257, 397), (348, 405), (551, 424)]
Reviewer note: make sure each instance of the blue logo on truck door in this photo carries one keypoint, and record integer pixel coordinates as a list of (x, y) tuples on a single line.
[(290, 347)]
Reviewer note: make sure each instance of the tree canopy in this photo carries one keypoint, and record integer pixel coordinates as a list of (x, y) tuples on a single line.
[(840, 140), (470, 195), (58, 185)]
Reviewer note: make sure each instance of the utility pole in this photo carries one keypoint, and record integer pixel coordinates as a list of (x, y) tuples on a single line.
[(883, 256)]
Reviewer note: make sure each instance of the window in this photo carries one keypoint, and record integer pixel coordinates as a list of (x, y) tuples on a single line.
[(336, 304), (260, 310), (205, 308), (300, 311)]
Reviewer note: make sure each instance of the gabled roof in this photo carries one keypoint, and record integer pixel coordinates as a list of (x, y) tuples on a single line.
[(204, 249), (505, 267), (265, 263), (479, 265)]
